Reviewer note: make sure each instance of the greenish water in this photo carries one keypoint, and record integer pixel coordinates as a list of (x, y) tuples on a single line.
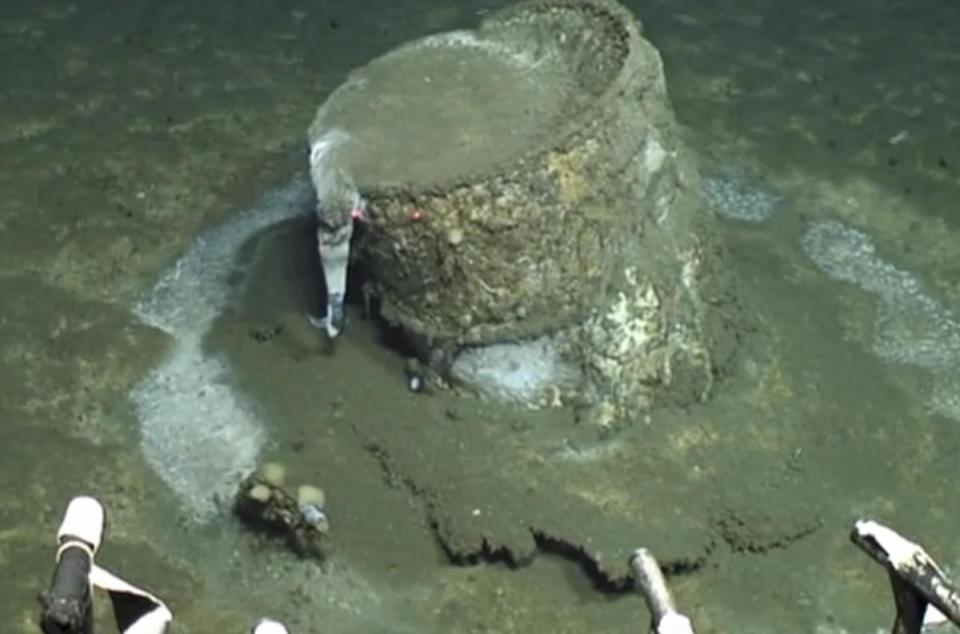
[(128, 129)]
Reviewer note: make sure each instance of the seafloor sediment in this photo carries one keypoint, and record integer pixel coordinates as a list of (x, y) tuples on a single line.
[(128, 129)]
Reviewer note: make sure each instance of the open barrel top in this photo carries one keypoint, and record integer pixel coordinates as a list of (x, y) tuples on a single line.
[(465, 104)]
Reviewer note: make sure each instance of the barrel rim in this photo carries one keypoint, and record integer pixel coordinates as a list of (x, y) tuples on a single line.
[(631, 33)]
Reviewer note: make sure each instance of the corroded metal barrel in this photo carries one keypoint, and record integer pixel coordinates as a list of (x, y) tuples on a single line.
[(525, 179)]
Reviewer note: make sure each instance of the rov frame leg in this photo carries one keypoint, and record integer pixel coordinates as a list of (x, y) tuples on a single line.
[(663, 609), (915, 578)]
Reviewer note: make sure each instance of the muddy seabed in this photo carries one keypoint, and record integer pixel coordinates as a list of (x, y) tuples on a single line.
[(127, 130)]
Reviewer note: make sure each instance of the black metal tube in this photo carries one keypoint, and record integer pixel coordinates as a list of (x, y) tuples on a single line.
[(68, 603)]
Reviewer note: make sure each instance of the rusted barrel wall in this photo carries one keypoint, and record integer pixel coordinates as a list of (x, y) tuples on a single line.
[(594, 247), (537, 245)]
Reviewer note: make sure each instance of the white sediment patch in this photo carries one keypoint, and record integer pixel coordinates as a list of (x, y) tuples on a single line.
[(197, 433), (734, 194), (524, 373), (911, 327), (945, 394)]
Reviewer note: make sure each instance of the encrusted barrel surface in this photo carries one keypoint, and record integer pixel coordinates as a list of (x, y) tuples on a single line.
[(504, 168)]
